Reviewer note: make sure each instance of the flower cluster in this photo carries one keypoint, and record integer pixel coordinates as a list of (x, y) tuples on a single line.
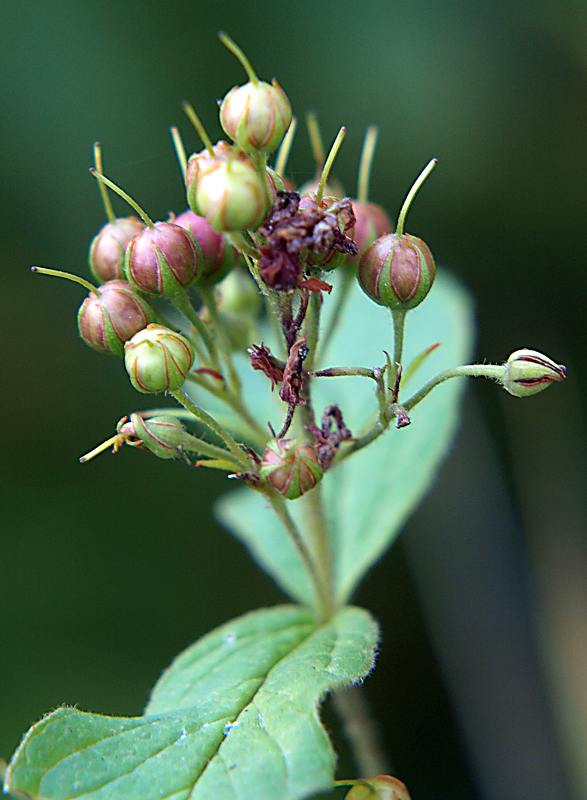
[(250, 242)]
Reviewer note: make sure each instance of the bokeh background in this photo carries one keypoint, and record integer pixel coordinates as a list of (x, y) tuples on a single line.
[(109, 570)]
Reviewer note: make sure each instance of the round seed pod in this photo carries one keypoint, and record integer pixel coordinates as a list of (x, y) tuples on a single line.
[(107, 249), (161, 435), (397, 271), (291, 467), (218, 257), (162, 260), (256, 115), (158, 359), (109, 318)]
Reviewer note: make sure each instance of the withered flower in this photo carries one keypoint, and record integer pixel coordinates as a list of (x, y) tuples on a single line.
[(293, 377), (301, 234), (327, 438), (261, 358)]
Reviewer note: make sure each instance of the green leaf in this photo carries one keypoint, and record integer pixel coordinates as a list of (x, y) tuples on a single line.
[(233, 718), (369, 497)]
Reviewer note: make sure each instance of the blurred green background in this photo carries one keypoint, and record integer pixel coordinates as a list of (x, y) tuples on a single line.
[(481, 688)]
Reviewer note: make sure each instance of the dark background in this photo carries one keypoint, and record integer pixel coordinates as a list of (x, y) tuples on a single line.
[(109, 570)]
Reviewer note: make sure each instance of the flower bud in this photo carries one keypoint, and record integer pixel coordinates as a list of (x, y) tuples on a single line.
[(162, 259), (227, 189), (397, 271), (109, 318), (218, 257), (256, 116), (238, 294), (381, 787), (371, 222), (157, 359), (106, 256), (161, 435), (291, 467), (528, 372)]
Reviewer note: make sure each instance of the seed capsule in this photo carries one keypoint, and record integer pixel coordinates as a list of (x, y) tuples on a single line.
[(157, 359), (528, 372), (162, 435), (218, 257), (109, 318), (162, 259), (106, 256), (227, 189), (381, 787), (397, 271), (256, 116), (291, 467), (371, 222)]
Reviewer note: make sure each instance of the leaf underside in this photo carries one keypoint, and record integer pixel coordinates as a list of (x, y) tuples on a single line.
[(233, 718), (369, 497)]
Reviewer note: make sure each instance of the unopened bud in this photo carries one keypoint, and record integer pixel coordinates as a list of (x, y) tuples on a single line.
[(111, 316), (238, 294), (157, 359), (527, 372), (108, 247), (227, 189), (381, 787), (162, 260), (291, 467), (397, 271), (371, 222), (256, 116), (218, 257), (162, 435)]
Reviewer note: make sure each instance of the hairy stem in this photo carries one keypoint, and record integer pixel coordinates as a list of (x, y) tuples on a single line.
[(361, 731)]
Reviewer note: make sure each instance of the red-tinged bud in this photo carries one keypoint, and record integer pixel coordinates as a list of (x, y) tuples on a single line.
[(397, 271), (218, 257), (227, 189), (371, 222), (292, 468), (106, 256), (528, 372), (157, 359), (111, 316), (163, 436), (381, 787), (256, 116), (162, 260)]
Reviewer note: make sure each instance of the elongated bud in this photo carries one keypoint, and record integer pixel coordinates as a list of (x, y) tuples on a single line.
[(162, 436), (256, 117), (291, 467), (218, 257), (107, 249), (109, 318), (227, 189), (371, 222), (528, 372), (162, 260), (157, 359), (381, 787), (398, 270)]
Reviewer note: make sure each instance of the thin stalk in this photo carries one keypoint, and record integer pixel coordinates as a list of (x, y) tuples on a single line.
[(361, 730), (208, 420), (114, 441), (491, 371), (366, 162), (183, 304), (316, 144), (317, 527), (270, 296), (285, 149), (399, 319), (179, 150), (412, 193), (280, 508), (238, 53), (345, 372), (329, 162), (106, 202), (210, 300), (57, 273), (190, 112), (312, 329), (126, 197)]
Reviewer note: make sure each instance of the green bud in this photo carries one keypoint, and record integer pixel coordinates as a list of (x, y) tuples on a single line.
[(256, 116), (238, 294), (528, 372), (162, 436), (291, 467), (397, 271), (381, 787), (157, 359), (227, 189)]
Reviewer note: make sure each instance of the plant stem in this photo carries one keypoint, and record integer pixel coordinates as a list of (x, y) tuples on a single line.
[(342, 296), (190, 113), (361, 731), (183, 304), (284, 150), (312, 328), (399, 318), (399, 228), (209, 298), (280, 508), (329, 162), (367, 153), (208, 420), (58, 273), (179, 151), (126, 197), (238, 53), (107, 203), (317, 527), (491, 371)]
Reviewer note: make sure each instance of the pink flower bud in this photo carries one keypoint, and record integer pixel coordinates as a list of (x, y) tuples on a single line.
[(106, 256), (162, 259)]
